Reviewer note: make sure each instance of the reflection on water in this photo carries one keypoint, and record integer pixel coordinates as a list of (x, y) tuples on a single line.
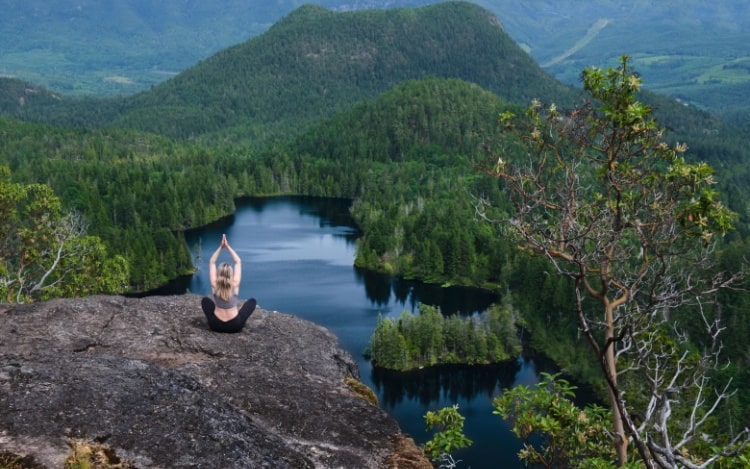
[(435, 384), (382, 288), (411, 395), (330, 212)]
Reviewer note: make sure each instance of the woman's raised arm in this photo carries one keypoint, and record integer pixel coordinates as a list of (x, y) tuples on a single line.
[(237, 266), (212, 267)]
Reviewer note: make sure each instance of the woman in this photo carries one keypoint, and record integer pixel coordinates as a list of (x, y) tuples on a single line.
[(221, 312)]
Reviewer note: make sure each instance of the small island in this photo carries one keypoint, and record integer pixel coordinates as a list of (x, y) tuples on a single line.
[(430, 339)]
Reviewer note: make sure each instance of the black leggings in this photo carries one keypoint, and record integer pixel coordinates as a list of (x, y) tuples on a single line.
[(233, 325)]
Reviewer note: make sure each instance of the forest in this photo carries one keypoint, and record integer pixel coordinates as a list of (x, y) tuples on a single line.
[(404, 143), (429, 338)]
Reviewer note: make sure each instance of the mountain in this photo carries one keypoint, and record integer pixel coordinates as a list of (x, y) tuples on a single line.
[(315, 61), (690, 49), (88, 47), (15, 93)]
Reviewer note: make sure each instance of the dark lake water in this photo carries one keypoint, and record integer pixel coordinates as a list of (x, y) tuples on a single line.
[(297, 258)]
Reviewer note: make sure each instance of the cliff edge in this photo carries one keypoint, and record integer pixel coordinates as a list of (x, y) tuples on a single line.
[(148, 379)]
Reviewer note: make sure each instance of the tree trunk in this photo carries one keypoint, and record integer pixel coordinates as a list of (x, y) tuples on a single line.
[(620, 439)]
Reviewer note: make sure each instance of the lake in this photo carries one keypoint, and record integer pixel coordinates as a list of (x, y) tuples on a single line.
[(297, 258)]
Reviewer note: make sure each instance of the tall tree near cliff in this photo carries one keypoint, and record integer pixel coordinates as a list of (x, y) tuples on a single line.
[(598, 192), (45, 253)]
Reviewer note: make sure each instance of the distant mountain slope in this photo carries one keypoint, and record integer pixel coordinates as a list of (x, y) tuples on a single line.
[(691, 49), (89, 47), (315, 61), (14, 95)]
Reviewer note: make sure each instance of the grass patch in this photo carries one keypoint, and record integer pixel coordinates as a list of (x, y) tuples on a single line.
[(736, 71), (361, 390), (84, 455), (92, 455), (119, 80)]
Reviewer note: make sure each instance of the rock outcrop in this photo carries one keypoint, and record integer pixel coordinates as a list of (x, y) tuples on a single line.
[(148, 379)]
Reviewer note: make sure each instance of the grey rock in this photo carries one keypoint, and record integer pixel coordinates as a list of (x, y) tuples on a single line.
[(147, 378)]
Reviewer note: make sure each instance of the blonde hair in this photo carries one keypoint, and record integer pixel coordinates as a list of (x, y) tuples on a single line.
[(224, 281)]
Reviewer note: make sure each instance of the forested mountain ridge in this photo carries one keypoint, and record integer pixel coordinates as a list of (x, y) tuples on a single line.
[(314, 62), (687, 49)]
